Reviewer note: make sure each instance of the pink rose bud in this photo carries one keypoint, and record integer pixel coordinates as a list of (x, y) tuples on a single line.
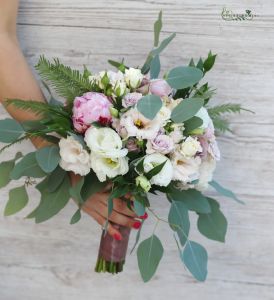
[(159, 87), (89, 108)]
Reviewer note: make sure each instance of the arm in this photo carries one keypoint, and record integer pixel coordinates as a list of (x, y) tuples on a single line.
[(17, 81)]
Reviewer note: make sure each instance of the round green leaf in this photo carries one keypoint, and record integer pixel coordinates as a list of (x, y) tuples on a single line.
[(10, 130), (214, 224), (55, 179), (5, 169), (27, 166), (139, 208), (178, 215), (18, 199), (183, 77), (149, 106), (186, 109), (48, 158), (195, 258), (149, 254)]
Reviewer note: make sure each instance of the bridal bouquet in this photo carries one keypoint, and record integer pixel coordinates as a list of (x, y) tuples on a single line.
[(134, 132)]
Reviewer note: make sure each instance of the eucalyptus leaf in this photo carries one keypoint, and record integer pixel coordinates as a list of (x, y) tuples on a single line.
[(56, 178), (195, 259), (27, 166), (183, 77), (186, 109), (149, 106), (75, 191), (149, 254), (5, 169), (137, 236), (52, 203), (91, 185), (155, 67), (214, 224), (139, 208), (157, 29), (178, 215), (18, 199), (48, 158), (193, 199), (10, 130), (224, 191), (191, 124), (76, 217)]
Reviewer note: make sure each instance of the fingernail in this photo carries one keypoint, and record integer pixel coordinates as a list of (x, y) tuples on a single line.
[(117, 236), (136, 225), (144, 216)]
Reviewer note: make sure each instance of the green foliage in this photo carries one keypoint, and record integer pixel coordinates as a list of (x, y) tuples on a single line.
[(209, 62), (75, 191), (119, 65), (179, 220), (214, 224), (184, 77), (155, 67), (221, 125), (195, 259), (192, 124), (10, 130), (18, 199), (48, 158), (5, 169), (193, 199), (76, 217), (139, 208), (226, 108), (149, 254), (91, 186), (156, 170), (186, 109), (55, 179), (27, 166), (149, 106), (157, 29), (68, 83), (224, 191), (51, 203)]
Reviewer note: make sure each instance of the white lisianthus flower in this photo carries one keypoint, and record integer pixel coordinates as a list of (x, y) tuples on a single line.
[(190, 147), (203, 114), (73, 157), (108, 167), (133, 77), (137, 125), (185, 169), (164, 177), (163, 115), (177, 133), (206, 170), (105, 142)]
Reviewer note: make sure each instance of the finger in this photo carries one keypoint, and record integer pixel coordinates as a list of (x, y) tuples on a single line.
[(101, 221), (116, 217)]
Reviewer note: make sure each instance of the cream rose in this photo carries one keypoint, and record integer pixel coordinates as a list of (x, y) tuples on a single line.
[(108, 167), (133, 77), (190, 147), (73, 157), (105, 142), (164, 177)]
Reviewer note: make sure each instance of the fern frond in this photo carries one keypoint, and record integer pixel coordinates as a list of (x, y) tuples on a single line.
[(39, 108), (221, 125), (67, 82), (224, 109)]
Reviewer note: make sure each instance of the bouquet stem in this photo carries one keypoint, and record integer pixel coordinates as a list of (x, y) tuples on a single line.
[(112, 253)]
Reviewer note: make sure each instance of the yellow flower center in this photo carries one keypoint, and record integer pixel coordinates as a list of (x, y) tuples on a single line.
[(111, 162), (138, 123)]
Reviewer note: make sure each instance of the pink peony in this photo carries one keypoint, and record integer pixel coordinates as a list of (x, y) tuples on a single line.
[(89, 108), (159, 87)]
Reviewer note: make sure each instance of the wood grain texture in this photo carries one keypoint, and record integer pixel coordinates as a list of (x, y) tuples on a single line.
[(55, 260)]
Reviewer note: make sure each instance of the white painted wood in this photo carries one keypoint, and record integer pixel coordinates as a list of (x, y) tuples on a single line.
[(55, 260)]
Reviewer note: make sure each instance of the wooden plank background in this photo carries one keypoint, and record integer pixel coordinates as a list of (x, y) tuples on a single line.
[(55, 260)]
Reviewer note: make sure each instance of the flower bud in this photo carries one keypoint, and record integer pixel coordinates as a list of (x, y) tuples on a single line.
[(143, 182), (114, 112)]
